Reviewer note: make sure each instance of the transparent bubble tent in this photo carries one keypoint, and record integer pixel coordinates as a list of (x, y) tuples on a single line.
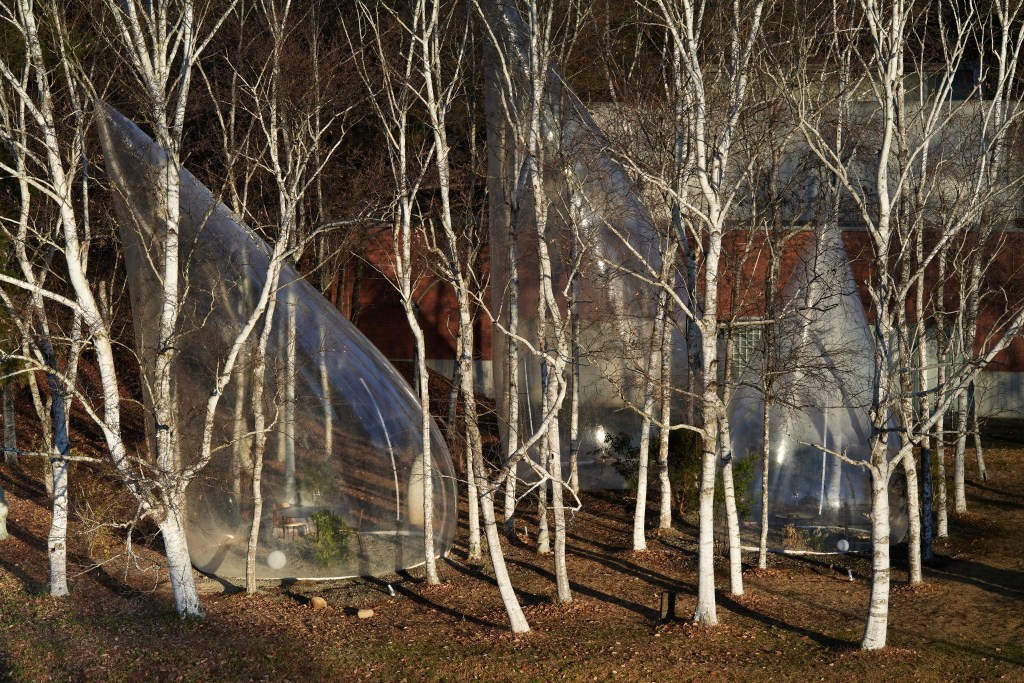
[(588, 191), (342, 481), (822, 357)]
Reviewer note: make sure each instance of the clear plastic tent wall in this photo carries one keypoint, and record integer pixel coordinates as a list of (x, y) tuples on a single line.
[(342, 480), (822, 359), (596, 205)]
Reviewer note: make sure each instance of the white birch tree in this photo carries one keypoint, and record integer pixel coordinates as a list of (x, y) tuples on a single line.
[(883, 196)]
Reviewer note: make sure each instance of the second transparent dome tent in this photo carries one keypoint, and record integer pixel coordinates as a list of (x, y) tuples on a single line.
[(598, 228), (342, 482), (820, 358)]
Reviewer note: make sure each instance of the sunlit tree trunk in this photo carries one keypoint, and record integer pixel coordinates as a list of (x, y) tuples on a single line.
[(179, 563), (56, 544), (665, 401), (960, 455), (913, 520), (3, 515), (766, 457), (876, 627), (640, 510), (939, 430)]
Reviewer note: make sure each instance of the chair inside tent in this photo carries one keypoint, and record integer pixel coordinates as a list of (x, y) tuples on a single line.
[(820, 356), (342, 483)]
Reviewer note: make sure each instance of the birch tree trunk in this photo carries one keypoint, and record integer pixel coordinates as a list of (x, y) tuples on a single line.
[(290, 493), (56, 544), (439, 94), (941, 357), (3, 515), (640, 512), (876, 627), (10, 433), (543, 527), (427, 465), (240, 442), (665, 416), (711, 147), (574, 375), (731, 516), (179, 563), (512, 381), (913, 520), (516, 618), (766, 453), (972, 409), (259, 445), (960, 455)]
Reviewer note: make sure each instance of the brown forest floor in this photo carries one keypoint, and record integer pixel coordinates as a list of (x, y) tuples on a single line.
[(800, 620)]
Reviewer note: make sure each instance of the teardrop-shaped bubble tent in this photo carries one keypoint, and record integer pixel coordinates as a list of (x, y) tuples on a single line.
[(596, 206), (821, 360), (342, 481)]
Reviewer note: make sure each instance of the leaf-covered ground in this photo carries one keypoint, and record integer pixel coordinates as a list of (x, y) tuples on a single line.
[(800, 620)]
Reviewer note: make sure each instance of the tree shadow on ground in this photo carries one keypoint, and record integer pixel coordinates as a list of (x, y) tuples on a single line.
[(422, 600), (1007, 583), (822, 639), (588, 591), (476, 572), (17, 480), (996, 492), (31, 583), (627, 568), (88, 567)]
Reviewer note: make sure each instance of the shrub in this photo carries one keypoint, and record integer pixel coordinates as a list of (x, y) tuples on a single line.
[(330, 542)]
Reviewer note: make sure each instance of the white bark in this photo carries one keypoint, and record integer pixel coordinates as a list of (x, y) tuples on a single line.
[(511, 386), (259, 444), (392, 103), (960, 456), (291, 495), (179, 563), (4, 508), (563, 594), (640, 511), (516, 618), (427, 463), (876, 627), (56, 544), (710, 155), (941, 356), (665, 417), (325, 389), (942, 506), (766, 451), (913, 519), (706, 612), (473, 444), (731, 516), (574, 373)]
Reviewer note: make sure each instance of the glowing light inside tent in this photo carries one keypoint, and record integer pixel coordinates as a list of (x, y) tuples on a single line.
[(276, 560)]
